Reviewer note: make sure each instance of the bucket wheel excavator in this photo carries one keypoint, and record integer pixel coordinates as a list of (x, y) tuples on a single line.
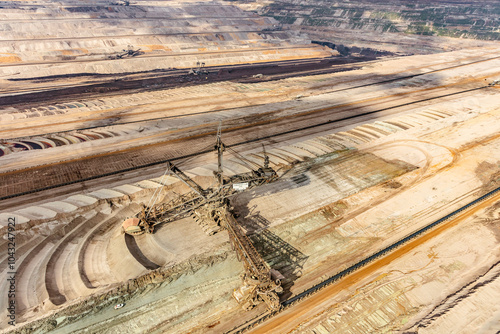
[(211, 208)]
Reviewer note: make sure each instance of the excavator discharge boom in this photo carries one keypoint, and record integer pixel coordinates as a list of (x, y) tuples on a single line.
[(260, 283)]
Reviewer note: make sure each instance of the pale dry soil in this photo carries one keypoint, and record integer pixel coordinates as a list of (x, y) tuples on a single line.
[(325, 214), (446, 284), (154, 117), (350, 193)]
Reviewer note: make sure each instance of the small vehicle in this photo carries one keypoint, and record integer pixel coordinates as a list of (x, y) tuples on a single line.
[(117, 306)]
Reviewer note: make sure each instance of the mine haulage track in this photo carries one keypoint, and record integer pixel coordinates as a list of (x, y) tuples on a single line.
[(351, 269), (154, 80), (71, 172), (272, 64), (72, 91)]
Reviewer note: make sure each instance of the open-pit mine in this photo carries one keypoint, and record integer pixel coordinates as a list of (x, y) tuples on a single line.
[(249, 166)]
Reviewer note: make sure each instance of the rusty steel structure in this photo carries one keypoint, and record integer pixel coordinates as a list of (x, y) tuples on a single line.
[(211, 209), (198, 200), (260, 283)]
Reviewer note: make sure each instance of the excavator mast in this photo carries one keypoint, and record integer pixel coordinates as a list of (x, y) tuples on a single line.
[(219, 146)]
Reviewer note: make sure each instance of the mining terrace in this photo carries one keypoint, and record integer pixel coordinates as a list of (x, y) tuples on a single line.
[(371, 158)]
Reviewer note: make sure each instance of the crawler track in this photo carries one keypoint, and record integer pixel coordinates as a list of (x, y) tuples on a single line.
[(361, 264)]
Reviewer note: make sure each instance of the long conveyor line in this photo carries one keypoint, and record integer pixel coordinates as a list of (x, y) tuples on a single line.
[(308, 292)]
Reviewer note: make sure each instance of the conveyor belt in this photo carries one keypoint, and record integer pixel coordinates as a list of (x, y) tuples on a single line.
[(247, 253)]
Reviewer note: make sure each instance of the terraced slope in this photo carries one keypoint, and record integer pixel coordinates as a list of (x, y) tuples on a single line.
[(403, 27), (75, 38), (89, 254), (464, 19)]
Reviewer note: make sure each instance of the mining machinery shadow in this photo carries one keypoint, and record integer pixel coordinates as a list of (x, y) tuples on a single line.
[(296, 176), (275, 251), (295, 181), (136, 252)]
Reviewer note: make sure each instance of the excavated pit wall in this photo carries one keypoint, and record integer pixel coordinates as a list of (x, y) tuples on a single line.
[(71, 38), (297, 181)]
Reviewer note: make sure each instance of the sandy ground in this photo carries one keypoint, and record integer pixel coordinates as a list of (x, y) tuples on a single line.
[(427, 142), (426, 281), (335, 212)]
